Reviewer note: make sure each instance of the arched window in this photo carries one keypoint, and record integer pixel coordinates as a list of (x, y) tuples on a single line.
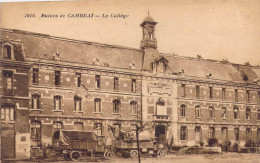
[(134, 107), (116, 106), (7, 53), (248, 113), (97, 105), (211, 112), (235, 112), (183, 110), (183, 133), (197, 111), (57, 102), (77, 103), (35, 101)]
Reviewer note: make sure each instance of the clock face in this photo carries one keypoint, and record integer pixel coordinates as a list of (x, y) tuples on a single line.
[(150, 29)]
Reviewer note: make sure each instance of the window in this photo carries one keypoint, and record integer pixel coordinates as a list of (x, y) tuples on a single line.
[(247, 96), (197, 91), (133, 88), (211, 132), (258, 114), (8, 82), (224, 113), (197, 112), (134, 107), (97, 81), (235, 112), (78, 79), (116, 82), (183, 110), (210, 92), (7, 52), (57, 125), (224, 132), (160, 108), (248, 114), (98, 129), (36, 130), (116, 106), (7, 113), (77, 103), (183, 133), (97, 105), (57, 102), (78, 126), (236, 95), (35, 101), (224, 96), (211, 112), (236, 131), (259, 97), (248, 133), (258, 135), (57, 78), (35, 76), (183, 90)]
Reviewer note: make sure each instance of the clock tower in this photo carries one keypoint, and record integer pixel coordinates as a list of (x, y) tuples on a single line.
[(148, 26)]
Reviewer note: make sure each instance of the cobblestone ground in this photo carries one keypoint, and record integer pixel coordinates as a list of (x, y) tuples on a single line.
[(206, 158)]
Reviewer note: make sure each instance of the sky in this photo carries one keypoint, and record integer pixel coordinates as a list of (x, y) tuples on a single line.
[(214, 29)]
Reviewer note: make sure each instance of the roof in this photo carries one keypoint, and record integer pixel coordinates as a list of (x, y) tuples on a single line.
[(45, 46), (201, 68), (42, 46)]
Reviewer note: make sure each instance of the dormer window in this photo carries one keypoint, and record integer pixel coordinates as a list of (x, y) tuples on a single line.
[(7, 51), (159, 66)]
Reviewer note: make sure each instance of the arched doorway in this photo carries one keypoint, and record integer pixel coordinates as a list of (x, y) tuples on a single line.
[(160, 133)]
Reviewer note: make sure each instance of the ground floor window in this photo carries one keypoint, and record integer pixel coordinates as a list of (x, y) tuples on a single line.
[(211, 132), (36, 132), (98, 129), (183, 133)]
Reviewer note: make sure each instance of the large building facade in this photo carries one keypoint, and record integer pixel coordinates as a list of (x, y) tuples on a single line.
[(61, 83)]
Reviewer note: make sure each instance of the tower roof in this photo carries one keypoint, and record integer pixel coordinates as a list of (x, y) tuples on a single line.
[(149, 19)]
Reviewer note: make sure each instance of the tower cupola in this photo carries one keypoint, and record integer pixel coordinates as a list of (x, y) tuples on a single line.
[(148, 26)]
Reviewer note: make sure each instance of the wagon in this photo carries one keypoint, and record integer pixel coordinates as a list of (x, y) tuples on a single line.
[(75, 144)]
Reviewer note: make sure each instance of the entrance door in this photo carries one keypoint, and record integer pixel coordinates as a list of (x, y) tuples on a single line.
[(160, 133), (7, 141)]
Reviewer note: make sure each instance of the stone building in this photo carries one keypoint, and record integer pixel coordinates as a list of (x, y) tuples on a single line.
[(80, 85)]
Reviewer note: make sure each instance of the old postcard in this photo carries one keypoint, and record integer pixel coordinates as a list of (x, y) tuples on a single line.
[(130, 81)]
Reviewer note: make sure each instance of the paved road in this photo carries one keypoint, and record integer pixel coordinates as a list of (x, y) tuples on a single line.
[(208, 158)]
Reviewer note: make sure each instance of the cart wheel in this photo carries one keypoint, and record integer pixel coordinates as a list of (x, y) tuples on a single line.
[(134, 153), (162, 153), (154, 155), (66, 157), (75, 155), (108, 155)]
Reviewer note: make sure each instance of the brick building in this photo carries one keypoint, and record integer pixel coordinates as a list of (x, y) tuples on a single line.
[(80, 85), (14, 92)]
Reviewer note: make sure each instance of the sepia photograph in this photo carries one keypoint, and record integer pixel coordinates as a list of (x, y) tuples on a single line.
[(140, 81)]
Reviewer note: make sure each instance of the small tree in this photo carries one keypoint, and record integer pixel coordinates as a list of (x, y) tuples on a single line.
[(212, 142)]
